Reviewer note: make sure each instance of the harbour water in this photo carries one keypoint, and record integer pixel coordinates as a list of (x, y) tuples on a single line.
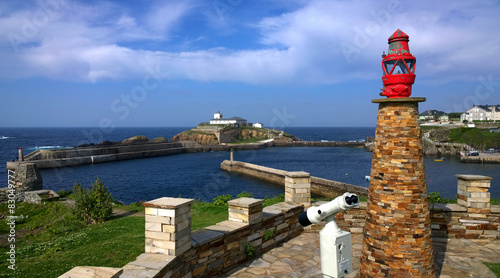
[(198, 175)]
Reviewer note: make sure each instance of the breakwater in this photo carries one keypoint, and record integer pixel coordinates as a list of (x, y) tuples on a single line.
[(45, 159), (482, 158), (319, 186), (318, 144)]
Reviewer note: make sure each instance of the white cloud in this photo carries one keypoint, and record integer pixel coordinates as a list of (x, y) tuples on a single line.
[(321, 42)]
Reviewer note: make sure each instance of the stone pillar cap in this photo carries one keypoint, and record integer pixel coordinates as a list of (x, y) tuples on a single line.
[(399, 99), (245, 202), (168, 203), (298, 174), (472, 177)]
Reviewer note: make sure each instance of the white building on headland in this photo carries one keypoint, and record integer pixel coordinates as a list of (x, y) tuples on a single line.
[(220, 120), (482, 113), (258, 125)]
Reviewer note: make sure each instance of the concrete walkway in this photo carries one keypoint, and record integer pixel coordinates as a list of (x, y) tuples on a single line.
[(299, 257)]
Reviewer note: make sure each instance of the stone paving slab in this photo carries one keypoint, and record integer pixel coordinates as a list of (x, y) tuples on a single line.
[(300, 257)]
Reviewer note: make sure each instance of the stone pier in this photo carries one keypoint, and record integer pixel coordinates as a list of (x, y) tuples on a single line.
[(397, 236)]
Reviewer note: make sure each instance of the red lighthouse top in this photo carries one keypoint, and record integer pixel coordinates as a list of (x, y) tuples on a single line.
[(399, 67), (398, 43)]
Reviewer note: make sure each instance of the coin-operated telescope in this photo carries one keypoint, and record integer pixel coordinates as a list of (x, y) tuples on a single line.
[(398, 66), (335, 244)]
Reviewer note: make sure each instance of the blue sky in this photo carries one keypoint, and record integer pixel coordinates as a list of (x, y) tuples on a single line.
[(283, 63)]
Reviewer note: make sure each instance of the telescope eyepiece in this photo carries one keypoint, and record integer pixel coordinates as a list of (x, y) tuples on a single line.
[(351, 199)]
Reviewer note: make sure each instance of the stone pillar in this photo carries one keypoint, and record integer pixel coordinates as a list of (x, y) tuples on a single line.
[(231, 156), (473, 194), (168, 225), (397, 237), (246, 210), (298, 188)]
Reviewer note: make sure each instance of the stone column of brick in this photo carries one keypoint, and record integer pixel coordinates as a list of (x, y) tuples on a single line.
[(298, 188), (246, 210), (168, 225), (397, 236), (473, 194)]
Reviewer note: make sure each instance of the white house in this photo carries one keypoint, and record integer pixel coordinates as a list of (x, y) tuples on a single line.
[(220, 120), (482, 113), (258, 125)]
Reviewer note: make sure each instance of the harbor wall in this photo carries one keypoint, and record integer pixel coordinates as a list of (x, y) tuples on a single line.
[(317, 144), (319, 186), (447, 221), (98, 154), (481, 159)]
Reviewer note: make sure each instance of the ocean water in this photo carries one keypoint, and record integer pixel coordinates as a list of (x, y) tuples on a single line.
[(198, 175)]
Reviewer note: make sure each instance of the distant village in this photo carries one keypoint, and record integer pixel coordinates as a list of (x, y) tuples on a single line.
[(476, 114)]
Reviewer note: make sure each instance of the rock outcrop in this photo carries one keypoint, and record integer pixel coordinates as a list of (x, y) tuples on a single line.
[(139, 139), (158, 140), (199, 137)]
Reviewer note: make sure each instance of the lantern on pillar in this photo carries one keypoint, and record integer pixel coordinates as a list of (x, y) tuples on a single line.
[(398, 66)]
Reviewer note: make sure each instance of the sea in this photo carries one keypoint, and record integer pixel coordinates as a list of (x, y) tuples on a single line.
[(198, 175)]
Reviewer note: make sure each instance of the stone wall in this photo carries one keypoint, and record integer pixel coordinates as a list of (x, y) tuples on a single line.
[(250, 231), (228, 135), (319, 186), (94, 151), (26, 178), (447, 221), (64, 158), (284, 143)]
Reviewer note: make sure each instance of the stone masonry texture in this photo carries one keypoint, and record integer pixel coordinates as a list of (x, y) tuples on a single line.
[(168, 226), (397, 237)]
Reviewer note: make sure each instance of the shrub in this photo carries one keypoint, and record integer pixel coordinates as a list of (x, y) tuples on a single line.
[(93, 204), (64, 193), (245, 194), (222, 199), (249, 250)]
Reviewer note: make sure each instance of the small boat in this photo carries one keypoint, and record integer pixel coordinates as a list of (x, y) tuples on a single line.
[(367, 178), (439, 159)]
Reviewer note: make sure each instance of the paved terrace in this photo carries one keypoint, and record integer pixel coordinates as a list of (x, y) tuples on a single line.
[(300, 257)]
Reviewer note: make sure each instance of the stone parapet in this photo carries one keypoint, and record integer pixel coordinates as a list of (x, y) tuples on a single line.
[(472, 193), (168, 225), (298, 188), (246, 210), (218, 248)]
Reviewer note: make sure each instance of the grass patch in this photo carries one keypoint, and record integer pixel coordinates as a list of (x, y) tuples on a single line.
[(204, 214), (51, 241), (495, 267), (475, 137)]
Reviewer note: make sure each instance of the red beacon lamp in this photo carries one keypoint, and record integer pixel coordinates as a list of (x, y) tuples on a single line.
[(398, 66)]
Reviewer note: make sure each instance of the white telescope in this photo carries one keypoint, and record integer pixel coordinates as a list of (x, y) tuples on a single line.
[(335, 244)]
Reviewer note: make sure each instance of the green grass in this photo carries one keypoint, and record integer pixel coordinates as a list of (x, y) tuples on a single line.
[(478, 138), (495, 267), (494, 201), (205, 214), (51, 241)]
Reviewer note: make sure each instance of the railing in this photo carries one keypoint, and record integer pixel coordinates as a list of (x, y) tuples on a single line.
[(461, 145)]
